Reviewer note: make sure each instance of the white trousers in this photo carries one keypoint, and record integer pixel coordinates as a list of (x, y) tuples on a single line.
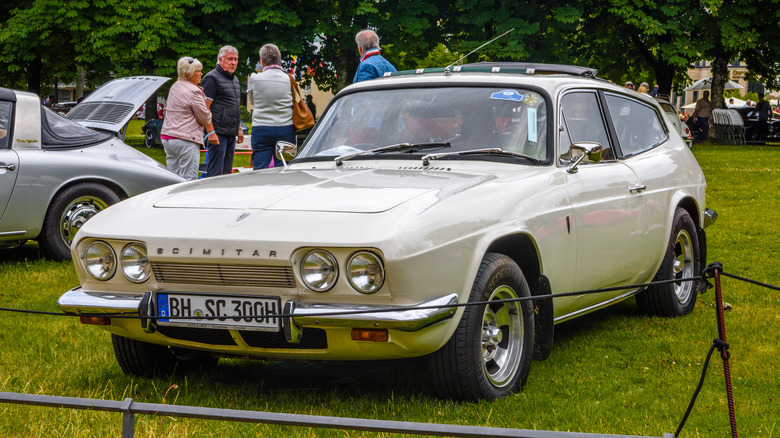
[(182, 157)]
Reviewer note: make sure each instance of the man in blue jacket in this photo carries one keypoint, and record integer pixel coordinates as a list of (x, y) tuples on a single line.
[(372, 64)]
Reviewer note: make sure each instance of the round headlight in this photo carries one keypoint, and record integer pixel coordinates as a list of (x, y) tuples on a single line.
[(135, 265), (100, 260), (319, 270), (365, 272)]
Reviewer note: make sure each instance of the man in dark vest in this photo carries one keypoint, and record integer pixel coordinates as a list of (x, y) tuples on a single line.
[(223, 97)]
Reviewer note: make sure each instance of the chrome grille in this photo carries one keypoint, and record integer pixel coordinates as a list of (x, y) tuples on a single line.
[(224, 275)]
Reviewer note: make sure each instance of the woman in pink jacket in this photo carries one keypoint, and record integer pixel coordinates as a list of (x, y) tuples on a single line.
[(185, 116)]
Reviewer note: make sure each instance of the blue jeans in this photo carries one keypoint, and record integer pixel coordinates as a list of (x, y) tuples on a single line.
[(264, 140), (221, 156)]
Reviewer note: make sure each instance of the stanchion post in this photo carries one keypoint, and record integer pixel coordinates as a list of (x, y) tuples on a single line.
[(128, 419), (724, 352)]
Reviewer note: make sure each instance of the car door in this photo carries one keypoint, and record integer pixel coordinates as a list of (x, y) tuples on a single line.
[(9, 161), (609, 209)]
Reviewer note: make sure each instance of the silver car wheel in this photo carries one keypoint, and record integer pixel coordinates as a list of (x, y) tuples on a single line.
[(78, 212), (502, 337), (682, 265)]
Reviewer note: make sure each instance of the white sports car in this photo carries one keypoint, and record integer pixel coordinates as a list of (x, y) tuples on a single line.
[(414, 192)]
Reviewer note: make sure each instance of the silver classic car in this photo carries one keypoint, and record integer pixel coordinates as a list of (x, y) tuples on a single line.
[(421, 207), (56, 172)]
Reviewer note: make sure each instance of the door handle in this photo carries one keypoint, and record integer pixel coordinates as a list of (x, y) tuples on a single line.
[(637, 188), (8, 167)]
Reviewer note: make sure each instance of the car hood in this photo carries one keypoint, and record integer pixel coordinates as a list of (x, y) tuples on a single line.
[(112, 105), (346, 191)]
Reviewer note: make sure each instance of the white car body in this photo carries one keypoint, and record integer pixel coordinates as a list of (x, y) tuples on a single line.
[(433, 221)]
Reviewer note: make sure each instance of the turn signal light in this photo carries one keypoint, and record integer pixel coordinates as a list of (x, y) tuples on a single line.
[(371, 335), (95, 320)]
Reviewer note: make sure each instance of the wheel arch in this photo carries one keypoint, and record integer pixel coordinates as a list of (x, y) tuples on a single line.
[(108, 183), (523, 250)]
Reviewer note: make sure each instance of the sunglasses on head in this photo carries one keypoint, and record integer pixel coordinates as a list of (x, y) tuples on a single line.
[(190, 60)]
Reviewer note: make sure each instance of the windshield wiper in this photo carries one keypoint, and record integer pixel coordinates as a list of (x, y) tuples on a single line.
[(427, 159), (412, 147)]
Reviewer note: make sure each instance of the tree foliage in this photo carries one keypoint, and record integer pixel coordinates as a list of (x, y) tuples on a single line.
[(41, 40)]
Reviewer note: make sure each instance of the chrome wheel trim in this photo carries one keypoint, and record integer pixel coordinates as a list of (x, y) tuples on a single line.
[(682, 266), (78, 211), (502, 337)]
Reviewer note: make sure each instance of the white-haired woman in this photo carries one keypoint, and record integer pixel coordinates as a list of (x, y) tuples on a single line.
[(271, 94), (185, 117)]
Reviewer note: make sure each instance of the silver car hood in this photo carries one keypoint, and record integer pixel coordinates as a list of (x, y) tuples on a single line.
[(112, 105), (346, 191)]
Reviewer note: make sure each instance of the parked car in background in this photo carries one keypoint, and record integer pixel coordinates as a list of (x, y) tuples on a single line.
[(63, 107), (57, 172), (674, 117), (749, 116), (152, 129), (422, 206)]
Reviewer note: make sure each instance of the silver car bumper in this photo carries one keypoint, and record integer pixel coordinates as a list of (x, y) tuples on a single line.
[(405, 318)]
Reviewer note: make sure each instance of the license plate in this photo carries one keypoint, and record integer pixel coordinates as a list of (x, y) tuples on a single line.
[(219, 311)]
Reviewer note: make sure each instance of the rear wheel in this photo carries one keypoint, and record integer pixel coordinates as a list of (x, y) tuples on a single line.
[(144, 359), (680, 262), (68, 212), (489, 355)]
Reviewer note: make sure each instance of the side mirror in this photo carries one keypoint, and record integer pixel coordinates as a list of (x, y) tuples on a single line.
[(584, 151), (285, 151)]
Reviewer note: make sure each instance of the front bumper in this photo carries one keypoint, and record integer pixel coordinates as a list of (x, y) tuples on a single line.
[(295, 314)]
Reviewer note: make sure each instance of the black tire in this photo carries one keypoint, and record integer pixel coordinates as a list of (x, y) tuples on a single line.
[(680, 262), (69, 210), (146, 360), (149, 139), (468, 368)]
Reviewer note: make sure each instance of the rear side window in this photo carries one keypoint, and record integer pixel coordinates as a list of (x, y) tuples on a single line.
[(6, 111), (59, 132), (638, 125)]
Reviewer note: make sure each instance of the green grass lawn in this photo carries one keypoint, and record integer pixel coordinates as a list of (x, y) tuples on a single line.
[(614, 371)]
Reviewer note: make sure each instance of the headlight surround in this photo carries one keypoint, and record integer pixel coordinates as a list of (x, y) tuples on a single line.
[(319, 270), (135, 264), (365, 272), (100, 260)]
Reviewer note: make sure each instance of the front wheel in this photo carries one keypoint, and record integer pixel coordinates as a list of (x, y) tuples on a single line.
[(680, 262), (145, 360), (68, 212), (489, 355)]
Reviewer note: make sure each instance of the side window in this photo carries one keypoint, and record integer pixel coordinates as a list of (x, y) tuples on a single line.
[(6, 109), (638, 126), (582, 121)]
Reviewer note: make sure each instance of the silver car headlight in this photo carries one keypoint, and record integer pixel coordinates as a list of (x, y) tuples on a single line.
[(365, 272), (100, 260), (319, 270), (135, 264)]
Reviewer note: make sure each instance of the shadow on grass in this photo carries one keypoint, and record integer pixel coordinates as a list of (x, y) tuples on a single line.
[(28, 252)]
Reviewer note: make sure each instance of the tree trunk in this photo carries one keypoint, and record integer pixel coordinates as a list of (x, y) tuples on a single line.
[(34, 70), (720, 74), (80, 83)]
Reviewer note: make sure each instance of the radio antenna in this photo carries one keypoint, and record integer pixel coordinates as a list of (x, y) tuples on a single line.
[(447, 68)]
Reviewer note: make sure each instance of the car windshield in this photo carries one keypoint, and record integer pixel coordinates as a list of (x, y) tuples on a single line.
[(457, 119), (58, 131)]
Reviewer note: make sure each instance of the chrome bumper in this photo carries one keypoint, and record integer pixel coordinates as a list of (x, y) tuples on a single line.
[(405, 318)]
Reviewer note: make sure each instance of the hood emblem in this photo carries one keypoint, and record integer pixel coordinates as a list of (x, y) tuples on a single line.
[(243, 216)]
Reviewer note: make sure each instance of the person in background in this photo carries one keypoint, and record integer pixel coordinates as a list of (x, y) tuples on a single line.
[(312, 106), (182, 130), (49, 101), (223, 98), (629, 85), (642, 89), (764, 115), (654, 91), (271, 94), (372, 64), (701, 118)]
